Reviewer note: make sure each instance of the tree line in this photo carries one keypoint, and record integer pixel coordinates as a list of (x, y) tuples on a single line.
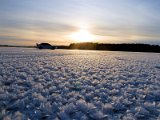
[(113, 47)]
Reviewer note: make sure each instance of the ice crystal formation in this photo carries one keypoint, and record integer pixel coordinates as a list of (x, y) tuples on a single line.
[(78, 85)]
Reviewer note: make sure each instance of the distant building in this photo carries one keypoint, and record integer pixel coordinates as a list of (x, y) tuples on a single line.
[(45, 46)]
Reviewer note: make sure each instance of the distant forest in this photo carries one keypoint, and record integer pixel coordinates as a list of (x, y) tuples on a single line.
[(113, 47), (110, 47)]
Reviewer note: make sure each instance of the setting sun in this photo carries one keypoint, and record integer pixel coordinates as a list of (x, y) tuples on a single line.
[(82, 35)]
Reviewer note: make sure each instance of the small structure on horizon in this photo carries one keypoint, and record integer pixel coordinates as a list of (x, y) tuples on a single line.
[(45, 46)]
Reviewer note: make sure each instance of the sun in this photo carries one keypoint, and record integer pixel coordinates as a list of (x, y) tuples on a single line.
[(82, 35)]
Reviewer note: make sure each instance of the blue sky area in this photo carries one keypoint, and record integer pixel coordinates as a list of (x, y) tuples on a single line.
[(26, 22)]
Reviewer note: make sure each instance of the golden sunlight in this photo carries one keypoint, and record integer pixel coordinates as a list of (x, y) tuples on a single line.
[(82, 35)]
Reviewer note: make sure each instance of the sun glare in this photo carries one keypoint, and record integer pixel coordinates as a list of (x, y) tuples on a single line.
[(82, 35)]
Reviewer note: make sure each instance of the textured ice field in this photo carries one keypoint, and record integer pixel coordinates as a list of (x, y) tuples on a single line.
[(78, 85)]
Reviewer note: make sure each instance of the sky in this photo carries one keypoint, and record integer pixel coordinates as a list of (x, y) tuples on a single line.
[(27, 22)]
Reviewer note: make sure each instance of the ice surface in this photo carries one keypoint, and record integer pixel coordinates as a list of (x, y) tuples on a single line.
[(78, 85)]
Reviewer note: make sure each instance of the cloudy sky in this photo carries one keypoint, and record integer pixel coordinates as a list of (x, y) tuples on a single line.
[(26, 22)]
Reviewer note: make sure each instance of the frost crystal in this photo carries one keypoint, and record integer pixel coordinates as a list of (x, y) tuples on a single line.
[(78, 85)]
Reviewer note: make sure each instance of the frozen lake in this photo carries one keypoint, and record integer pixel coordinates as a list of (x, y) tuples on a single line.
[(77, 84)]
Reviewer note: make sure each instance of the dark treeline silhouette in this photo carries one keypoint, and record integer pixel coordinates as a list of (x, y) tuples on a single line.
[(17, 46), (116, 47), (111, 47), (62, 47)]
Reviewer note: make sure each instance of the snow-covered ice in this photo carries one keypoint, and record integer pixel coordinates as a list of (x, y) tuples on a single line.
[(78, 85)]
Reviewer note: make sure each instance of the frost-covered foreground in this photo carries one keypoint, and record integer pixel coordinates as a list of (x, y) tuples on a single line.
[(79, 85)]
